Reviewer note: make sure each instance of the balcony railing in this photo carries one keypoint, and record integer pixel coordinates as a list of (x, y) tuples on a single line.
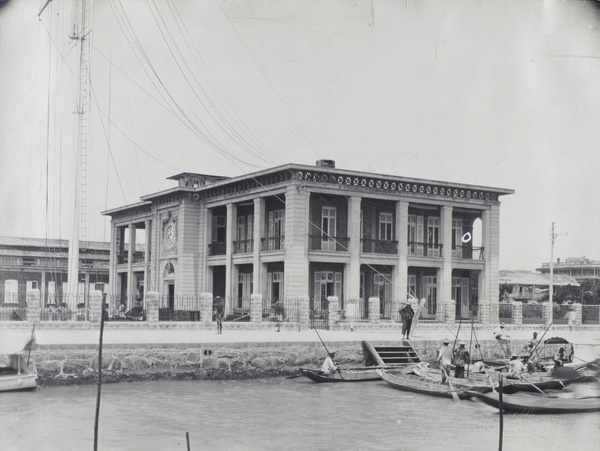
[(216, 248), (371, 246), (138, 257), (419, 249), (328, 243), (467, 252), (272, 243), (243, 246)]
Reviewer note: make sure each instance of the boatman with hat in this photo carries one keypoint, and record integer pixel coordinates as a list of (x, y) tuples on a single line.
[(445, 359), (461, 358), (329, 367)]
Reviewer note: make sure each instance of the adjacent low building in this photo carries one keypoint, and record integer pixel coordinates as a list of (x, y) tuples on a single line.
[(580, 268), (297, 231), (531, 287), (40, 266)]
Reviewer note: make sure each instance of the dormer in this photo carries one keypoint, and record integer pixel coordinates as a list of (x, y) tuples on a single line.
[(193, 180)]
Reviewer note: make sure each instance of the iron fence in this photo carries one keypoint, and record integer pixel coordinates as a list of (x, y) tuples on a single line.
[(559, 312), (372, 246), (10, 313), (179, 308), (533, 314), (283, 310), (590, 314), (505, 313), (385, 310), (356, 311)]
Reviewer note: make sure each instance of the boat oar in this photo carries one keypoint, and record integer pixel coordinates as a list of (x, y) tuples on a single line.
[(532, 384), (452, 391), (327, 351), (489, 378)]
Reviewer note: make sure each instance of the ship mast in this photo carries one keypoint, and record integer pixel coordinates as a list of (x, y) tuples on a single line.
[(79, 227)]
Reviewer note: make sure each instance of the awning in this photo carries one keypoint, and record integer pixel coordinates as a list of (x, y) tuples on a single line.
[(14, 342)]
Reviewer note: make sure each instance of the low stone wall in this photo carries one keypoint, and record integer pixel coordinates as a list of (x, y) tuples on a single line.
[(77, 364)]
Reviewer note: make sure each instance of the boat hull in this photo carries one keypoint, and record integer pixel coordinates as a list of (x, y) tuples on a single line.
[(12, 382), (532, 403), (425, 385), (346, 376)]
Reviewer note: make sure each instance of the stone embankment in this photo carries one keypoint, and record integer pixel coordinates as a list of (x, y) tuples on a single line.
[(78, 364)]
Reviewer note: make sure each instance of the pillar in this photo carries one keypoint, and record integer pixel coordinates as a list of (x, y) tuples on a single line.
[(303, 308), (445, 275), (517, 313), (450, 311), (353, 272), (333, 304), (95, 306), (578, 313), (152, 303), (484, 312), (206, 307), (401, 281), (374, 315), (546, 312), (231, 218), (256, 301), (33, 306)]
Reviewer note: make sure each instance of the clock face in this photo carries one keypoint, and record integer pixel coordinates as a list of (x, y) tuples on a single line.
[(170, 234)]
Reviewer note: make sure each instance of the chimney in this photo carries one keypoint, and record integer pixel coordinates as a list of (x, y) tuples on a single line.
[(326, 163)]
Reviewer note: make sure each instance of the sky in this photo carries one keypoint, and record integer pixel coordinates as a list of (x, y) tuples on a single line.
[(492, 93)]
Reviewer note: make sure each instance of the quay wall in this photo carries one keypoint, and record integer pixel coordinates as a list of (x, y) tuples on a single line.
[(77, 364)]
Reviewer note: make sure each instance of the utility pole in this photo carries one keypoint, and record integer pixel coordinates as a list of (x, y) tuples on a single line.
[(553, 236)]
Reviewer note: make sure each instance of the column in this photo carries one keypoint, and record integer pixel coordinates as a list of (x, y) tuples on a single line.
[(258, 233), (231, 217), (130, 253), (401, 281), (445, 283), (353, 271), (147, 256)]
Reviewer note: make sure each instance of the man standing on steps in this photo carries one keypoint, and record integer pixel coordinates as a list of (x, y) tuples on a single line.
[(406, 314), (445, 359)]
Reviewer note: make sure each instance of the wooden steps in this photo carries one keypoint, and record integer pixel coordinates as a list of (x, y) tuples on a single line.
[(401, 354)]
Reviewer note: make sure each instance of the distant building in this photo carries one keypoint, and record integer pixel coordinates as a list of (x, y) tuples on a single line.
[(580, 268), (528, 286), (33, 264), (310, 231)]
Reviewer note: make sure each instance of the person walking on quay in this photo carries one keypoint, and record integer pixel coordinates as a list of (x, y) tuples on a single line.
[(570, 317), (329, 367), (461, 358), (406, 314), (502, 339), (218, 313), (445, 359)]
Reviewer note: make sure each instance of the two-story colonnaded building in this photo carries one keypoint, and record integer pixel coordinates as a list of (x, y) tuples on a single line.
[(311, 231)]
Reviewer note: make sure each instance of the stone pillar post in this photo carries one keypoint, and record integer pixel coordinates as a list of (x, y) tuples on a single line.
[(395, 314), (333, 305), (450, 312), (152, 303), (256, 302), (546, 312), (206, 307), (578, 313), (517, 313), (352, 311), (33, 306), (303, 316), (374, 315), (95, 306), (484, 312)]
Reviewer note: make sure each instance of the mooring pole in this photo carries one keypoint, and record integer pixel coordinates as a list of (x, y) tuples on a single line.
[(99, 377)]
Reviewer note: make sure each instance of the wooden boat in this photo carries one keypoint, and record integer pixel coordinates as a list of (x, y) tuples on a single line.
[(14, 373), (348, 375), (428, 384), (535, 403)]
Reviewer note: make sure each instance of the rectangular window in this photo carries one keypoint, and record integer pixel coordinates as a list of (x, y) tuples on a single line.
[(328, 228), (411, 288), (385, 226), (433, 237), (11, 291), (275, 230), (415, 235), (32, 285)]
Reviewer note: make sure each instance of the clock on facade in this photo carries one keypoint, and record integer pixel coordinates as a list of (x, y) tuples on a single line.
[(170, 234)]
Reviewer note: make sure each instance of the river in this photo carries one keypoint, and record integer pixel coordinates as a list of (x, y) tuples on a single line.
[(274, 414)]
